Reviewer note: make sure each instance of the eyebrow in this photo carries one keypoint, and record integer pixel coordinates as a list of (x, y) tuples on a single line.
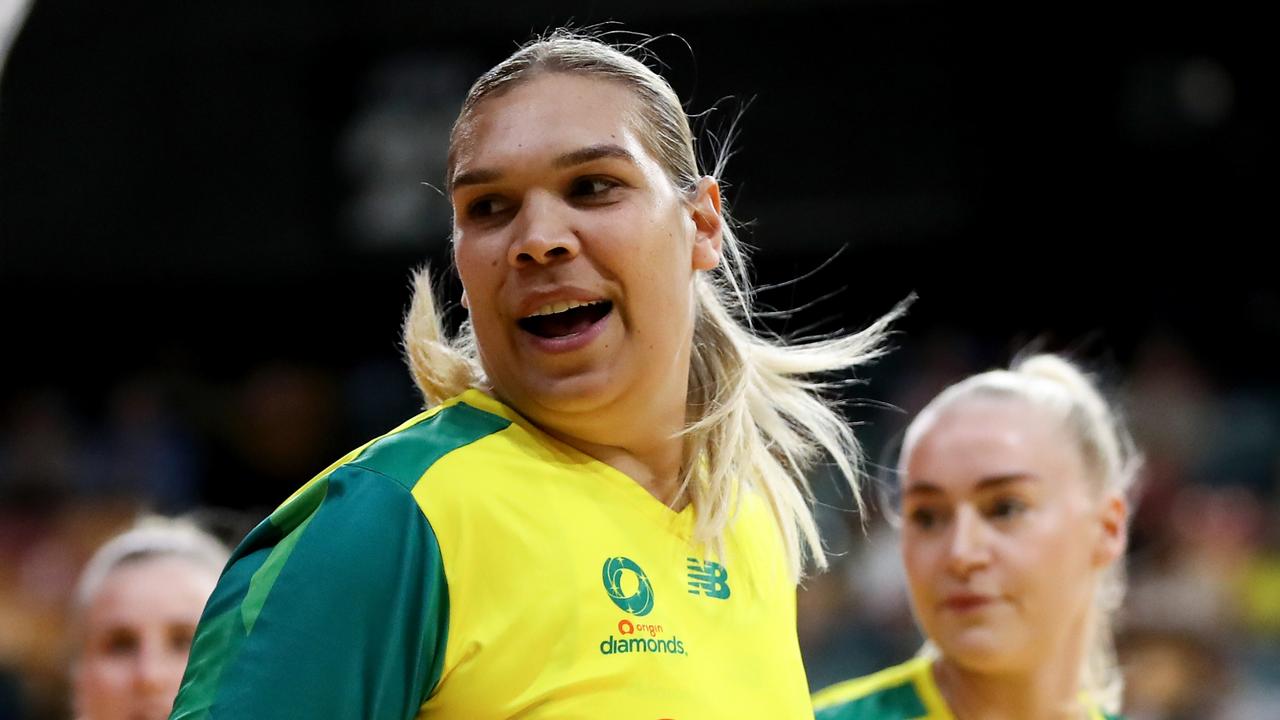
[(924, 487), (569, 159)]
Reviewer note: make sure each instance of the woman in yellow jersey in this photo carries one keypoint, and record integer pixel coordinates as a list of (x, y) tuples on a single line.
[(1014, 515), (603, 512), (134, 612)]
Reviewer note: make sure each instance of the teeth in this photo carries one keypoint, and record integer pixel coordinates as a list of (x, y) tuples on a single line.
[(563, 305)]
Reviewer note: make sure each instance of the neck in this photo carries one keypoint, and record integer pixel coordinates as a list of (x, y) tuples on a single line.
[(1049, 691), (643, 443), (654, 467), (1046, 688)]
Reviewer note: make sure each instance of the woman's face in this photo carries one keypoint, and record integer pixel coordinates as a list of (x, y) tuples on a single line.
[(1002, 536), (138, 631), (577, 254)]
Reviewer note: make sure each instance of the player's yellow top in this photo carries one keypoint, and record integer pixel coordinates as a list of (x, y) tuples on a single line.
[(468, 566), (902, 692)]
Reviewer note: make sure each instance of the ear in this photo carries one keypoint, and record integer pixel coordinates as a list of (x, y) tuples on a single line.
[(1113, 522), (708, 224), (466, 301)]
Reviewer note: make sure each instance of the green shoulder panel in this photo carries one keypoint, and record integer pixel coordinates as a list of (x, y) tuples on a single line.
[(336, 606), (406, 455), (345, 616), (898, 702)]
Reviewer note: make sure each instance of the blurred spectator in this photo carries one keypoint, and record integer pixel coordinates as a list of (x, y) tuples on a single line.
[(136, 608)]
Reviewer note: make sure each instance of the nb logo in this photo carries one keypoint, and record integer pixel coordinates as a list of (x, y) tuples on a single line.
[(627, 585), (708, 578)]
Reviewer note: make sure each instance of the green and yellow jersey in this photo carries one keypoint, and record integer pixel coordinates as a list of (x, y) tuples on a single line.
[(466, 565), (901, 692)]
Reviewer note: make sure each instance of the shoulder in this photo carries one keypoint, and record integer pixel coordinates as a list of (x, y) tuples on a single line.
[(405, 454), (383, 473), (890, 694)]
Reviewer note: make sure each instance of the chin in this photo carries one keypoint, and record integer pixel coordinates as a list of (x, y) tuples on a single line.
[(980, 650), (570, 395)]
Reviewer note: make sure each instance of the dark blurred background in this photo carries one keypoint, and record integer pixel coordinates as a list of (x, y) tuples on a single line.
[(209, 212)]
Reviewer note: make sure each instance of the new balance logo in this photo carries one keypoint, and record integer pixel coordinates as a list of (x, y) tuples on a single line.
[(708, 578)]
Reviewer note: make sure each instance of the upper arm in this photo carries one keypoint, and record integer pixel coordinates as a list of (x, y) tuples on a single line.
[(343, 613)]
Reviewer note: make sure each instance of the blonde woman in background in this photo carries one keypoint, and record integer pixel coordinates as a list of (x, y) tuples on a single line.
[(604, 511), (1014, 517), (134, 614)]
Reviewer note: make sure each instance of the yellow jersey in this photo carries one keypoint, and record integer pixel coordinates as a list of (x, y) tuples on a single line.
[(901, 692), (467, 565)]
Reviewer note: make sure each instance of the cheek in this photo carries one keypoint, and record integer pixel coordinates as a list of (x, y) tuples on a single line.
[(1049, 571), (661, 285), (481, 278), (1059, 547), (471, 272), (656, 248), (918, 560), (105, 679), (480, 262)]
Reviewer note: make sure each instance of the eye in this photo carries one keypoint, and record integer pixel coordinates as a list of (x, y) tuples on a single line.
[(593, 188), (120, 642), (180, 639), (924, 518), (1006, 507), (487, 206)]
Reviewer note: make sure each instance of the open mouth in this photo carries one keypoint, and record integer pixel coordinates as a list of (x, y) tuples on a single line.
[(566, 318)]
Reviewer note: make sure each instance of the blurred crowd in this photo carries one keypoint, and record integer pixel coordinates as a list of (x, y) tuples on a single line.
[(1200, 635)]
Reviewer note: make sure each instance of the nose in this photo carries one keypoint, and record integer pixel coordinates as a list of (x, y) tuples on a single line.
[(969, 550), (543, 233), (154, 669)]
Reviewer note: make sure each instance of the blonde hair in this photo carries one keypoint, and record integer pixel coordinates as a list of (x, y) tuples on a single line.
[(757, 413), (150, 537), (1111, 462)]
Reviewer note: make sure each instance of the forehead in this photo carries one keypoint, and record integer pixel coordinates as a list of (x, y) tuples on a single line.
[(153, 588), (980, 437), (547, 116)]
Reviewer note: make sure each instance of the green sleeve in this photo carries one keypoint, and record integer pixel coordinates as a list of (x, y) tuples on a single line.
[(334, 607), (843, 711), (896, 702)]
